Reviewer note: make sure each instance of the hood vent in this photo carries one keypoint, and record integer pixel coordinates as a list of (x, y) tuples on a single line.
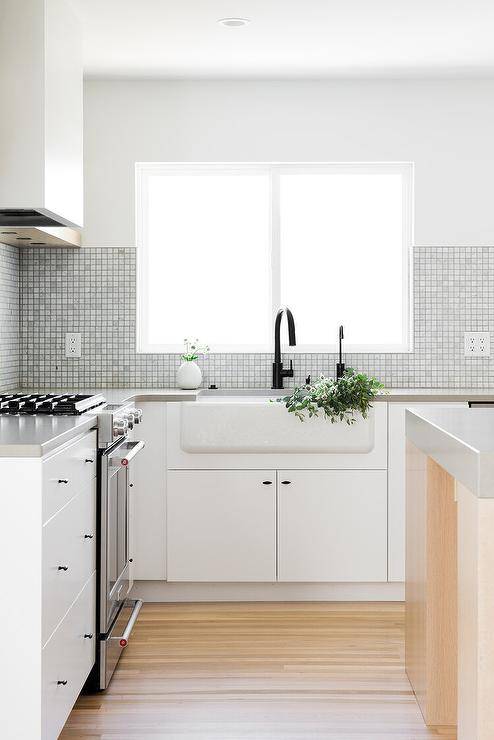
[(30, 228), (25, 217)]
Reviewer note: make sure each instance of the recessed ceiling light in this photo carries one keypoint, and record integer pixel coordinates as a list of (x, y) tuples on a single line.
[(234, 22)]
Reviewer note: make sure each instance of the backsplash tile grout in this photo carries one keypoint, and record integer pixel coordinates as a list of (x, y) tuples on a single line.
[(93, 291), (9, 317)]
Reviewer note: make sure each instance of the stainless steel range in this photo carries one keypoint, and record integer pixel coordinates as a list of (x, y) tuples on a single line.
[(116, 612)]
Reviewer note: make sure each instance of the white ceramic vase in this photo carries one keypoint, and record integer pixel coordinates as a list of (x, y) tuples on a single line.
[(189, 376)]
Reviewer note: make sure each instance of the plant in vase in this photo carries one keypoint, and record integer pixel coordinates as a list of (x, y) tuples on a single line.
[(189, 375)]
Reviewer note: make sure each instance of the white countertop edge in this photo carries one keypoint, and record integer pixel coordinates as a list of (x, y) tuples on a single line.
[(462, 457)]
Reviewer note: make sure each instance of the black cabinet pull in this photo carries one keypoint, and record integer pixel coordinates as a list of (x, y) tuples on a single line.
[(88, 636), (267, 482), (62, 683), (286, 482), (88, 536), (131, 485), (131, 560), (63, 480), (63, 567), (88, 459)]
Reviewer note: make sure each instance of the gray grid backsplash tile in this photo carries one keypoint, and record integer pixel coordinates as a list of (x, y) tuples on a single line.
[(9, 317), (92, 291)]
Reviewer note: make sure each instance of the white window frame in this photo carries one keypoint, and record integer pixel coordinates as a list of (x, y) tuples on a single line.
[(144, 169)]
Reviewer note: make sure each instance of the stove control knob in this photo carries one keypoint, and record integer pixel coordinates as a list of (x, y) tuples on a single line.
[(136, 415), (120, 426), (129, 417)]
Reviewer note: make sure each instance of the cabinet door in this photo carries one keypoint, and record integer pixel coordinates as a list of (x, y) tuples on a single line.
[(148, 503), (221, 525), (332, 525)]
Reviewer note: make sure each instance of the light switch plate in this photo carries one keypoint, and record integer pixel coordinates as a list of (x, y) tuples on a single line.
[(477, 344), (73, 344)]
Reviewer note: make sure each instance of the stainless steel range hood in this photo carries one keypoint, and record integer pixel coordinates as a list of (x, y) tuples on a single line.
[(41, 123), (31, 228)]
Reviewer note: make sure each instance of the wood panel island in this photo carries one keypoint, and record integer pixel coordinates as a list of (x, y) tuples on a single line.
[(450, 567)]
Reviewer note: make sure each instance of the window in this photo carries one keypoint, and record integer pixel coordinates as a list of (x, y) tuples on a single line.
[(222, 246)]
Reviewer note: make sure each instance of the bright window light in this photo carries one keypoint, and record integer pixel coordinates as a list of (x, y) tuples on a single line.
[(222, 246), (207, 263), (341, 257)]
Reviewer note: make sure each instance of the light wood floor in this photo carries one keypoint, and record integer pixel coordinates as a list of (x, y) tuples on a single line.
[(259, 672)]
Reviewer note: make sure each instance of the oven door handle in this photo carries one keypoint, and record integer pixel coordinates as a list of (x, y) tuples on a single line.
[(124, 639), (125, 453)]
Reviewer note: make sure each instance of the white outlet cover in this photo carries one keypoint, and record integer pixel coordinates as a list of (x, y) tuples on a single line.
[(477, 344), (73, 344)]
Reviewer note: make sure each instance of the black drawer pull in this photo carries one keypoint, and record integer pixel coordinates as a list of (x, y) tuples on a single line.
[(88, 636), (88, 459), (286, 482), (267, 482), (88, 536), (63, 567), (62, 683), (63, 480)]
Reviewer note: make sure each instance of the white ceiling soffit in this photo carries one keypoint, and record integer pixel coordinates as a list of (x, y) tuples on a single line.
[(287, 38)]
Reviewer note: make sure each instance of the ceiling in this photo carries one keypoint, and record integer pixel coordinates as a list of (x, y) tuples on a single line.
[(287, 38)]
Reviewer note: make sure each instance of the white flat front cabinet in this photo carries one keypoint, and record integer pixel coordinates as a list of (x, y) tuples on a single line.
[(67, 660), (221, 525), (67, 472), (332, 525), (69, 556), (148, 502)]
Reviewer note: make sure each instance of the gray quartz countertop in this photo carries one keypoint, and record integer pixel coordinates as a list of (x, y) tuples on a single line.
[(394, 395), (35, 436), (460, 439)]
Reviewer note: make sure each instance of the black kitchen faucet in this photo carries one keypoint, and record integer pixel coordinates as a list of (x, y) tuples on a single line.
[(278, 372)]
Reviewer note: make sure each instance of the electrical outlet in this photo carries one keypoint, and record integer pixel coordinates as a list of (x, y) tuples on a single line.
[(477, 344), (73, 344)]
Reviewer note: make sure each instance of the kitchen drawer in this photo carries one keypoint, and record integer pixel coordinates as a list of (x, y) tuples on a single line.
[(67, 472), (67, 660), (69, 556)]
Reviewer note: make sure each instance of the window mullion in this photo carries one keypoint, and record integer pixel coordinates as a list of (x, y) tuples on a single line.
[(275, 243)]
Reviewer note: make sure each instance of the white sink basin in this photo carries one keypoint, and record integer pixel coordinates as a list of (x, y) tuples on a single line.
[(247, 422)]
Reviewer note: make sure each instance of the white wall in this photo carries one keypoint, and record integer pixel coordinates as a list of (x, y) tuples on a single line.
[(445, 127)]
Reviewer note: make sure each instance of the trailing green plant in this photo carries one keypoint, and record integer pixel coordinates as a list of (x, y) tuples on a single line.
[(338, 400)]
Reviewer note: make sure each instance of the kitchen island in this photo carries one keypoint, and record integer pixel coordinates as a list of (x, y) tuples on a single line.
[(449, 566)]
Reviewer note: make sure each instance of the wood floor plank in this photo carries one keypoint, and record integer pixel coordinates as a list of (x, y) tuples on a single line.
[(259, 671)]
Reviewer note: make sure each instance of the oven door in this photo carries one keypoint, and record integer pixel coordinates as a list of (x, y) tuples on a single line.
[(115, 535)]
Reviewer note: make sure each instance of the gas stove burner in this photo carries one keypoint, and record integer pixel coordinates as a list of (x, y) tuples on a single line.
[(60, 404)]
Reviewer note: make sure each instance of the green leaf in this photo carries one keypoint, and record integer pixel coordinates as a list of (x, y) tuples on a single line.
[(339, 400)]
